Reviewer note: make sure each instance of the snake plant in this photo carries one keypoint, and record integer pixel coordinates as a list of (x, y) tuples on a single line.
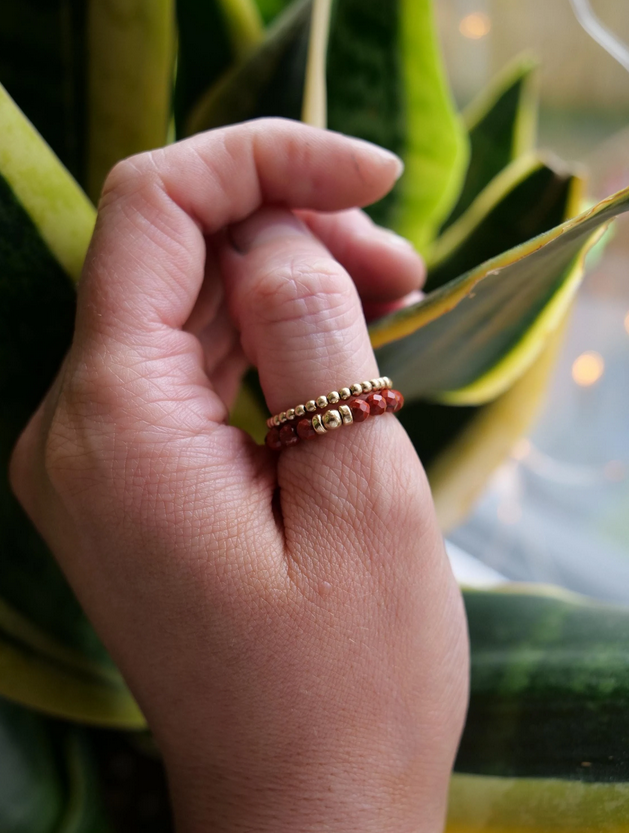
[(505, 236)]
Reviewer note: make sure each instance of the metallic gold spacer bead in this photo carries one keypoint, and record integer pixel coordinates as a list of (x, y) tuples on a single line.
[(283, 416), (300, 410), (311, 405), (290, 413), (276, 420), (356, 389), (388, 382), (376, 384), (367, 387), (333, 397), (322, 401), (332, 420), (346, 414), (345, 393), (317, 424)]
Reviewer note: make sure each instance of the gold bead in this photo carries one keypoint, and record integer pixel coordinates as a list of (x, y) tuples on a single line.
[(388, 382), (317, 424), (367, 387), (311, 405), (283, 416), (346, 414), (332, 420), (290, 413), (276, 420), (322, 401), (345, 393), (356, 389), (375, 383), (300, 410), (333, 397)]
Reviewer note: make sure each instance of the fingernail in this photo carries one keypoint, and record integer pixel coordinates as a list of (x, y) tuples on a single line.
[(397, 241), (264, 226), (384, 155)]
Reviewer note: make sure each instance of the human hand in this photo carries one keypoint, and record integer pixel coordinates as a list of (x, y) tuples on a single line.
[(288, 623)]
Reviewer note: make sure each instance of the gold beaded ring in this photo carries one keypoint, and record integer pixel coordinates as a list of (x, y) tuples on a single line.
[(360, 407), (332, 398)]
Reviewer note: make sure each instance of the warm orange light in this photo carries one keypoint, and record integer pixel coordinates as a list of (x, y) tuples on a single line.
[(475, 25), (627, 323), (588, 368)]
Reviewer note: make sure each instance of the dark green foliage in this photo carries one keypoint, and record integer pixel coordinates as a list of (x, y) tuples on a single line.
[(364, 80), (492, 141), (43, 67), (550, 688), (533, 206), (36, 323), (204, 54)]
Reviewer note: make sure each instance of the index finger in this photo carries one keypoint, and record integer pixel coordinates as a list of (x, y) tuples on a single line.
[(145, 265)]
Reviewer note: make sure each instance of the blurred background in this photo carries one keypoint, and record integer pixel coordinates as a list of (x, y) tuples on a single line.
[(558, 510)]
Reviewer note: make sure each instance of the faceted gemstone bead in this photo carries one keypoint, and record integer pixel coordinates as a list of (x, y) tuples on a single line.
[(360, 410), (400, 400), (390, 399), (288, 435), (305, 430), (376, 403), (272, 439)]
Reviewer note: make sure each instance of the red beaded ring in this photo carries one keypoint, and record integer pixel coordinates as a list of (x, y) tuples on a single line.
[(358, 410)]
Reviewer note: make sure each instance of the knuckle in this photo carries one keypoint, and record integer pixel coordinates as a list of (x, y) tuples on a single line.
[(317, 292), (130, 176)]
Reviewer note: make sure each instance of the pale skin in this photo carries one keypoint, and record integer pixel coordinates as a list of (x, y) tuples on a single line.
[(288, 623)]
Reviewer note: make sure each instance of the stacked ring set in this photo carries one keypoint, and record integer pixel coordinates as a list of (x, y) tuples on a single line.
[(319, 416)]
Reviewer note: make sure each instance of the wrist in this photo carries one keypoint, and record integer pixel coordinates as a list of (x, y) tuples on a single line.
[(308, 800)]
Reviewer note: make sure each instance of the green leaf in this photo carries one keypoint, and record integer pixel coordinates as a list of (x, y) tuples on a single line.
[(528, 198), (314, 106), (60, 211), (270, 82), (468, 341), (43, 66), (461, 447), (550, 686), (530, 805), (45, 673), (270, 9), (45, 225), (130, 67), (49, 781), (213, 35), (31, 789), (386, 84), (84, 811), (502, 124)]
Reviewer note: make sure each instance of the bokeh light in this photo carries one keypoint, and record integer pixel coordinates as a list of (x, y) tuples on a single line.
[(588, 368), (475, 25)]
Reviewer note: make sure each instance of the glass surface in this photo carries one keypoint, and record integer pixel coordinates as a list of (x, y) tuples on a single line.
[(558, 510)]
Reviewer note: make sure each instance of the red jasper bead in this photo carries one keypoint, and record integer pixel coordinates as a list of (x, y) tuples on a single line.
[(272, 439), (305, 430), (288, 435), (376, 403), (360, 410), (391, 400), (400, 400)]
